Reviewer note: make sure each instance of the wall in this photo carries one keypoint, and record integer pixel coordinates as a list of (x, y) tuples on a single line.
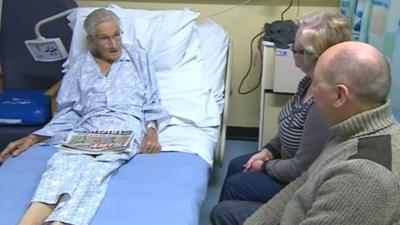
[(242, 23)]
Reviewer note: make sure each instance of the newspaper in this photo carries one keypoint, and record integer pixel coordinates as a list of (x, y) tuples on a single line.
[(97, 142)]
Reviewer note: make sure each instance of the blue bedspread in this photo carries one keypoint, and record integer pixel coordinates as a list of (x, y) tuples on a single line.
[(160, 189)]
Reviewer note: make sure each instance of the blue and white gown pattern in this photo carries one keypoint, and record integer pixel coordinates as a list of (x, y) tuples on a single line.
[(125, 99)]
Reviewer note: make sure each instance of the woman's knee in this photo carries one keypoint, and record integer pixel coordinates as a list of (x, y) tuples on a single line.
[(250, 186), (236, 164), (234, 187)]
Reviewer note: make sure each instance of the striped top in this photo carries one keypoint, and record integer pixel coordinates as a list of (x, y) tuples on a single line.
[(292, 118), (300, 138)]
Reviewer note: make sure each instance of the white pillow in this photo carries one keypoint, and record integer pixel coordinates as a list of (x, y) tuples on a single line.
[(214, 48), (185, 91), (165, 34)]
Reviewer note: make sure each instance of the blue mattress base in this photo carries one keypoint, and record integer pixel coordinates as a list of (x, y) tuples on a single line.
[(160, 189)]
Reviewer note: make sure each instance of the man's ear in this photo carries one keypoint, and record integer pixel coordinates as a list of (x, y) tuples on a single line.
[(342, 95)]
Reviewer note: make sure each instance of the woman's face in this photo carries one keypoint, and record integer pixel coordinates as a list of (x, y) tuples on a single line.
[(299, 59), (106, 44)]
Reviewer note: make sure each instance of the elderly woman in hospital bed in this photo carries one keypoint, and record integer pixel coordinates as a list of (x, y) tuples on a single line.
[(111, 87)]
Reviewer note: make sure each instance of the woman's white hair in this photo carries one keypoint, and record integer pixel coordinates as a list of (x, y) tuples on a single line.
[(320, 30), (96, 17)]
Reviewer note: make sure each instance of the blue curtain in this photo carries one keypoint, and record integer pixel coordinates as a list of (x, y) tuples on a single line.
[(378, 22)]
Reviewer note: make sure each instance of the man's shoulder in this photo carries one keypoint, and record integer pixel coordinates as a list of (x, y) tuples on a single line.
[(377, 149), (364, 160)]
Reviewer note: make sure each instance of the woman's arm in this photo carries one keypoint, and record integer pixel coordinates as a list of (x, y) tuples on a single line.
[(316, 133), (150, 143), (153, 110), (274, 146), (155, 116)]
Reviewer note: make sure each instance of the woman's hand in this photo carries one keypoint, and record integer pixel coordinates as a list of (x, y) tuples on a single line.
[(17, 147), (256, 161), (150, 142)]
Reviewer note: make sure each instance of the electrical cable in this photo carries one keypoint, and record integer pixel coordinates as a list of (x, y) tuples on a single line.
[(250, 66), (284, 11), (259, 47), (298, 8)]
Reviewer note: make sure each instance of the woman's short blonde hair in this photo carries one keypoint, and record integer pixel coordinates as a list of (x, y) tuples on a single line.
[(96, 17), (320, 30)]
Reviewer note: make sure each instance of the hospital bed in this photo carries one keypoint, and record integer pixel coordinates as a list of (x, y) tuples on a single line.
[(193, 76)]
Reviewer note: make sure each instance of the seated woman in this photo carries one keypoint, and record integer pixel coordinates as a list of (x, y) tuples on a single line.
[(255, 178), (111, 87)]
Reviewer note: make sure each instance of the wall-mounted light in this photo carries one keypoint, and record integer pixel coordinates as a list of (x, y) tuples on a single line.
[(47, 49)]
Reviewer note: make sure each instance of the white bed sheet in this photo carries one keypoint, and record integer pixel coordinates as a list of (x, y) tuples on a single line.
[(152, 189), (188, 138)]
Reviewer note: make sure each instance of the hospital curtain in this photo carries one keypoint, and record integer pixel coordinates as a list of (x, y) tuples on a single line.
[(378, 22)]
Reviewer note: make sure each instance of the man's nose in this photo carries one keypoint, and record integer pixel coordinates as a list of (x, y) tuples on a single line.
[(114, 43)]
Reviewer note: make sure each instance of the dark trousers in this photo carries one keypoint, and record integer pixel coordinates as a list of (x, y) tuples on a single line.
[(248, 186), (243, 193), (231, 212)]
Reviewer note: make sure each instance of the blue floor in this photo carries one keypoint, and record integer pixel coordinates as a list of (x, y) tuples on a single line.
[(233, 149)]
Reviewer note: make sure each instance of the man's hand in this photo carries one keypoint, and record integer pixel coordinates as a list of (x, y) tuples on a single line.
[(150, 142), (17, 147), (256, 161)]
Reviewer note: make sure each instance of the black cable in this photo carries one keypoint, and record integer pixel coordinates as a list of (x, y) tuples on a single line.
[(284, 11), (250, 65), (259, 49), (298, 8)]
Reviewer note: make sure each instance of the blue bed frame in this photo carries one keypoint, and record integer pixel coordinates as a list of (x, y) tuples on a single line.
[(152, 189)]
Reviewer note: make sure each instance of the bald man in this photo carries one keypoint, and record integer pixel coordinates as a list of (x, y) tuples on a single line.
[(356, 179)]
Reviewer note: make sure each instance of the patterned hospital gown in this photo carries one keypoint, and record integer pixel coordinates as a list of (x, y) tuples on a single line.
[(124, 99)]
